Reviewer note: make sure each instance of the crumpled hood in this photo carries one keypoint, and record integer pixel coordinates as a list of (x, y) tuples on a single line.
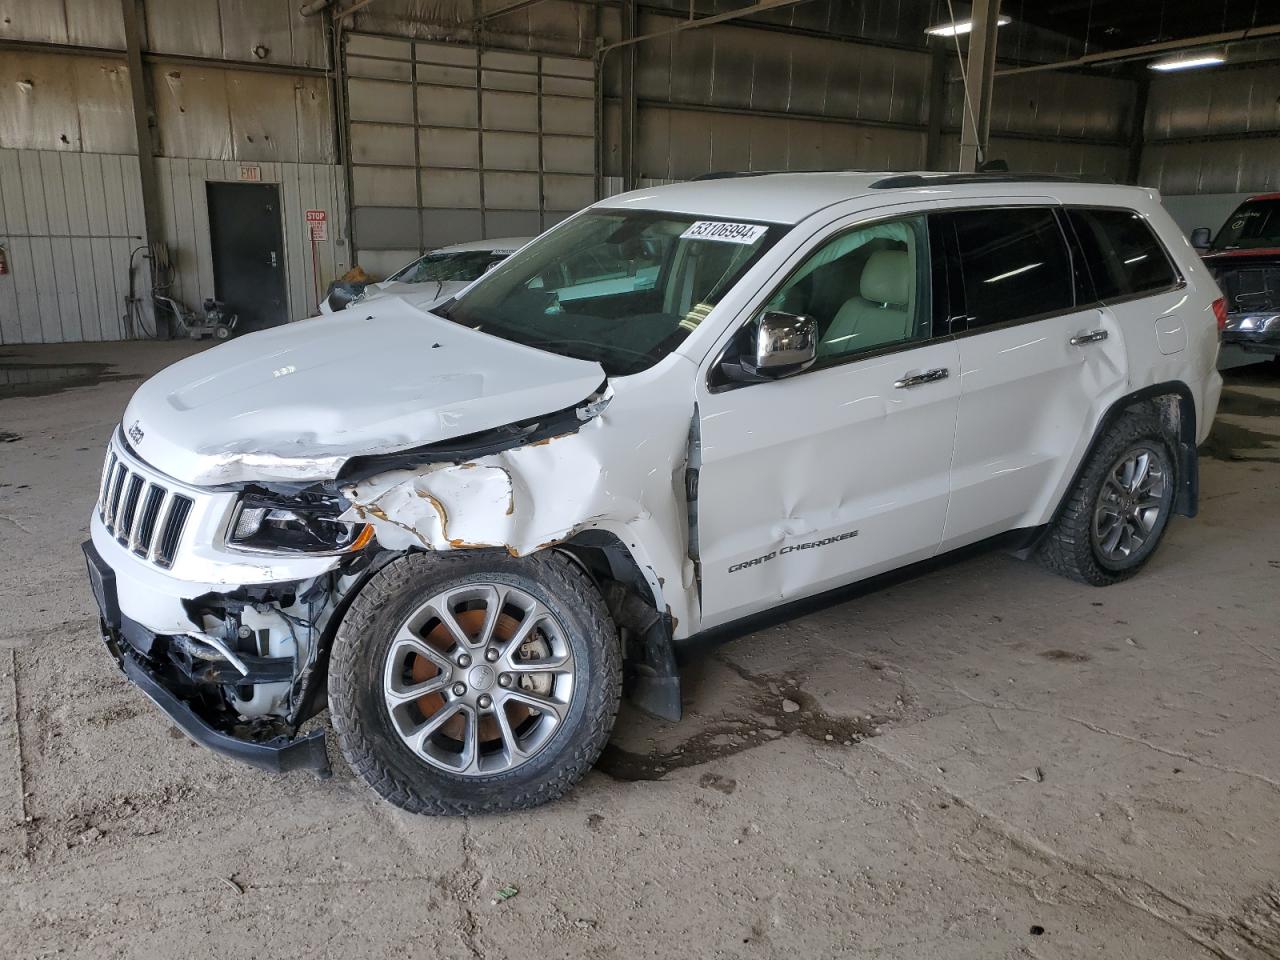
[(293, 403)]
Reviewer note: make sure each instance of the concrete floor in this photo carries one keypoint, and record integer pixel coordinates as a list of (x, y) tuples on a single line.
[(989, 761)]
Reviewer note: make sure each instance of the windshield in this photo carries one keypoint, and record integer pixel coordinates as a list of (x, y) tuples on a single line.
[(1255, 223), (623, 288), (448, 267)]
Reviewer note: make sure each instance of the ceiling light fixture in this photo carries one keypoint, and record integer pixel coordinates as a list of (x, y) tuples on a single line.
[(1188, 63), (961, 27)]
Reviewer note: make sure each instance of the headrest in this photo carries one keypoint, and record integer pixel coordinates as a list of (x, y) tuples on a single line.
[(886, 278)]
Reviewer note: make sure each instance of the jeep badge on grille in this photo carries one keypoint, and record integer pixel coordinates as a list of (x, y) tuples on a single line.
[(135, 432)]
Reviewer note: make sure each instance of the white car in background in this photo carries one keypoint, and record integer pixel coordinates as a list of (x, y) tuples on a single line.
[(450, 269)]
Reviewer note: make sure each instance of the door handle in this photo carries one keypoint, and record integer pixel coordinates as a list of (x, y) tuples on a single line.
[(273, 258), (1093, 336), (916, 379)]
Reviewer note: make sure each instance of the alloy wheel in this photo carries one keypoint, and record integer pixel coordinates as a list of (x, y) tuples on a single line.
[(478, 679), (1130, 503)]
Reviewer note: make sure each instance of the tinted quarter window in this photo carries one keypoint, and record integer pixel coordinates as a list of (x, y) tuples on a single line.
[(1015, 264), (1123, 255)]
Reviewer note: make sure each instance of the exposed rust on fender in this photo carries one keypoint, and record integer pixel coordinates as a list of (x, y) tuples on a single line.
[(545, 440), (444, 514), (463, 545)]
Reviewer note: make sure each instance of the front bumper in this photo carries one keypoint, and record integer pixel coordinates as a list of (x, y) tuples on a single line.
[(135, 650)]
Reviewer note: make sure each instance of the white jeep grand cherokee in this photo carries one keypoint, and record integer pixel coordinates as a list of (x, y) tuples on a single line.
[(465, 531)]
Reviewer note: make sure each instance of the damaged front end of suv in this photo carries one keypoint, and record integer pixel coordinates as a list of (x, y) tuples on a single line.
[(242, 585), (234, 652), (461, 528)]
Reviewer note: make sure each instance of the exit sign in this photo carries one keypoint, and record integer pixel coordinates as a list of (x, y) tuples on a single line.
[(250, 171)]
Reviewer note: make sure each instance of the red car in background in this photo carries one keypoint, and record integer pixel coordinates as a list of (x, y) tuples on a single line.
[(1245, 260)]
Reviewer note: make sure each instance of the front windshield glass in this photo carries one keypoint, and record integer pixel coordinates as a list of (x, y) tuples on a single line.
[(623, 288), (1254, 224), (448, 267)]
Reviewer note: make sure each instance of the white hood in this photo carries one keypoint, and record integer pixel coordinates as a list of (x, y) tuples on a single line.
[(296, 401)]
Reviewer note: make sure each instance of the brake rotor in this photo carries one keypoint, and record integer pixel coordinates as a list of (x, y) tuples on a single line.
[(472, 623)]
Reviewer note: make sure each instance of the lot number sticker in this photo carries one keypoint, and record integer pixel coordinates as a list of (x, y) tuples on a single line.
[(744, 233)]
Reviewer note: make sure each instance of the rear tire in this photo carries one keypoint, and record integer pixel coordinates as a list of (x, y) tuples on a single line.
[(1118, 510), (542, 603)]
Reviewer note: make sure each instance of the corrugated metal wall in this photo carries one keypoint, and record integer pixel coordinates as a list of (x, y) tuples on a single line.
[(1214, 131), (450, 143), (69, 181), (50, 102), (826, 83), (218, 114), (68, 222), (739, 98), (1053, 122)]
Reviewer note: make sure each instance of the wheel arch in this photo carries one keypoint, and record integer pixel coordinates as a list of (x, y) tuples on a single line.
[(1175, 404), (633, 592)]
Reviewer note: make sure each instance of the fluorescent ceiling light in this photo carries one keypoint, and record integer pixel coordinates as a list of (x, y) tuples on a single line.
[(1188, 63), (960, 27)]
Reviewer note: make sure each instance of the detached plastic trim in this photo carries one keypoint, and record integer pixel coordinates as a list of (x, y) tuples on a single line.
[(278, 756)]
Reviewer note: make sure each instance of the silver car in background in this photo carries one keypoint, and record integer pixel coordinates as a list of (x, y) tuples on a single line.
[(450, 269)]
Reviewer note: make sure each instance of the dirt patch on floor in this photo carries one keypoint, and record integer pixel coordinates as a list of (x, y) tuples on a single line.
[(774, 708)]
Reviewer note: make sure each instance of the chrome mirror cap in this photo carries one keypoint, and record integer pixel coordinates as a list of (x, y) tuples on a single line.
[(785, 343)]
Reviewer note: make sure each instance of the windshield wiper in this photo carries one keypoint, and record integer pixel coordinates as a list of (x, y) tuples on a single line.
[(601, 353)]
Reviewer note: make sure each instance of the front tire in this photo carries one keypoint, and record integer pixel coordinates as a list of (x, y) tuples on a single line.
[(473, 682), (1116, 514)]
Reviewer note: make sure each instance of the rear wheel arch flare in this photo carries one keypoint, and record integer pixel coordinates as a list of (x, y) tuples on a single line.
[(1155, 397)]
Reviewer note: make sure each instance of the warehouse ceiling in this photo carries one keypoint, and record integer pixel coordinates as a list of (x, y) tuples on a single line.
[(1110, 25)]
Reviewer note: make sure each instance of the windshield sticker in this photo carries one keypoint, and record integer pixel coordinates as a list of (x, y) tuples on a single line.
[(744, 233)]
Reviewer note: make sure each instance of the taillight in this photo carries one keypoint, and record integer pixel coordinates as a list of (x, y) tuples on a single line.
[(1220, 311)]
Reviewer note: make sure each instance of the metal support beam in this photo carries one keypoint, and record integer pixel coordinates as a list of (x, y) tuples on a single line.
[(144, 121), (1150, 51), (1137, 129), (503, 11), (176, 59), (937, 107), (351, 8), (979, 73), (761, 6), (342, 130), (627, 82)]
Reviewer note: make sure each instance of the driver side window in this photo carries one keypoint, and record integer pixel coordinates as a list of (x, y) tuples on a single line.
[(866, 288)]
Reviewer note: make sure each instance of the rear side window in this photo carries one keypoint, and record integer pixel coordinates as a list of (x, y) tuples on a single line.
[(1015, 264), (1123, 255)]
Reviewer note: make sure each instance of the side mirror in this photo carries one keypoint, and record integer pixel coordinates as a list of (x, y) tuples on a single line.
[(785, 343), (1201, 238)]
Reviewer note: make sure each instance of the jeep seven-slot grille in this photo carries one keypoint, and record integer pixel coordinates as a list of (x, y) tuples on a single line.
[(145, 516)]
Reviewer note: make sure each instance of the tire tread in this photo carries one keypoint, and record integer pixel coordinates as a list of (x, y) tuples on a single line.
[(1066, 548), (360, 748)]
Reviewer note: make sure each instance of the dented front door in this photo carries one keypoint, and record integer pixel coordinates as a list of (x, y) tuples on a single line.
[(823, 478)]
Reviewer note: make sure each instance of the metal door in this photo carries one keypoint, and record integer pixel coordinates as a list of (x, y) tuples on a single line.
[(247, 242)]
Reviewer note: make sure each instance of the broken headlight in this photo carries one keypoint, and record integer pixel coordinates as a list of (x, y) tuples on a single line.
[(294, 526)]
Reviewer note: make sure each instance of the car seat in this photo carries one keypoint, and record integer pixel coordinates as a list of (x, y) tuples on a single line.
[(880, 313)]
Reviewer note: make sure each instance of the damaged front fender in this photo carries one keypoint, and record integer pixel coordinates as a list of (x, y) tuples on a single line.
[(610, 473), (520, 500)]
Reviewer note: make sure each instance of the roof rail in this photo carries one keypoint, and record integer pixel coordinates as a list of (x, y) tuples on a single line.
[(730, 174), (735, 174), (902, 180)]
